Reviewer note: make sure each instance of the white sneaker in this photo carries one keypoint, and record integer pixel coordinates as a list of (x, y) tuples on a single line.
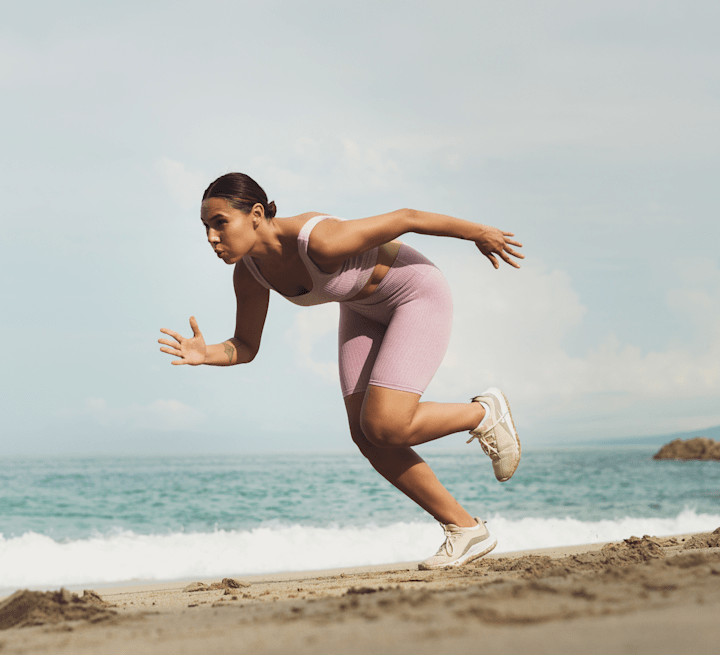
[(461, 545), (497, 434)]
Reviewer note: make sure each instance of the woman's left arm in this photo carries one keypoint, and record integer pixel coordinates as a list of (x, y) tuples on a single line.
[(332, 242)]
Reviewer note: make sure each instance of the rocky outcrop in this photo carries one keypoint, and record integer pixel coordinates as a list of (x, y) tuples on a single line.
[(697, 448)]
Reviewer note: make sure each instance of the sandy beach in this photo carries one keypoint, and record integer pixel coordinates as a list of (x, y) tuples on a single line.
[(642, 595)]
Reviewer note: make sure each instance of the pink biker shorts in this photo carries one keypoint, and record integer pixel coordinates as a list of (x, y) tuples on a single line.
[(397, 337)]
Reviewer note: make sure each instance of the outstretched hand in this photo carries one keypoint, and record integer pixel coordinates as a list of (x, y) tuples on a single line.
[(495, 243), (190, 351)]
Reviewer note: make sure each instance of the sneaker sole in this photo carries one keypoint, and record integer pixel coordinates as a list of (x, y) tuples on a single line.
[(477, 551), (500, 394)]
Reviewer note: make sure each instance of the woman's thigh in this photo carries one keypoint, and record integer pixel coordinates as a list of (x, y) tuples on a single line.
[(359, 341), (416, 338), (404, 348)]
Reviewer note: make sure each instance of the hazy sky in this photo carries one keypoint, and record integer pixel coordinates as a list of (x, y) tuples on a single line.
[(591, 129)]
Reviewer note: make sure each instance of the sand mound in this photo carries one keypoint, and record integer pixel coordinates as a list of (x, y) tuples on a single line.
[(26, 608), (631, 551), (636, 575), (697, 448), (704, 540), (227, 583)]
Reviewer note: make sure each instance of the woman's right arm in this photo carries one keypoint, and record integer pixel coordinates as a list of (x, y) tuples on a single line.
[(252, 305)]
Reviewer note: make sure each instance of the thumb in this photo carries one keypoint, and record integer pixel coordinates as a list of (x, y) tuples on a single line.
[(194, 326)]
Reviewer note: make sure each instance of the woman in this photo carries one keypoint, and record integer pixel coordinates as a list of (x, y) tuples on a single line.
[(395, 320)]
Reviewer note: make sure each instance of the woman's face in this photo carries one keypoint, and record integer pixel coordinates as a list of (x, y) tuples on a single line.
[(231, 232)]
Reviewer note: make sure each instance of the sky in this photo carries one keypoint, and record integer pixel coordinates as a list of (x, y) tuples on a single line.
[(589, 129)]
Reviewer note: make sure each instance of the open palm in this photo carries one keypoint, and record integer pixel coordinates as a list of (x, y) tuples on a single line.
[(190, 351)]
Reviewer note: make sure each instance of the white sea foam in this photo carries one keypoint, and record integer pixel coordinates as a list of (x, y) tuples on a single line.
[(37, 561)]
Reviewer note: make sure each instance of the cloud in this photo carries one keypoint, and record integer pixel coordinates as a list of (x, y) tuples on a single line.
[(322, 169), (185, 187), (699, 298), (312, 337), (510, 330), (159, 415)]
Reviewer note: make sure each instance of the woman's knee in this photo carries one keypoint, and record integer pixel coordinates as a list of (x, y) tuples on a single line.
[(368, 449), (384, 431), (387, 416), (381, 418), (370, 441)]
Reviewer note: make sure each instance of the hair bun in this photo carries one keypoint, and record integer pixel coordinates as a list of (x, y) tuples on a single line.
[(242, 192)]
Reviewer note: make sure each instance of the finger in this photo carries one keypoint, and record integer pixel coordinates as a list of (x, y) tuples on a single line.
[(493, 261), (194, 326), (166, 342), (507, 234), (512, 242), (178, 362), (507, 260), (178, 337), (171, 351), (519, 255)]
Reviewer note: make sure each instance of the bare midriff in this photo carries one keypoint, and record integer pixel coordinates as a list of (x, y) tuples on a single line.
[(386, 258)]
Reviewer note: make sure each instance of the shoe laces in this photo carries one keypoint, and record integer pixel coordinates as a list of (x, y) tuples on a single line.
[(488, 440), (448, 545)]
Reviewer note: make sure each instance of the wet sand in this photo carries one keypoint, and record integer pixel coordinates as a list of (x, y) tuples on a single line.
[(643, 595)]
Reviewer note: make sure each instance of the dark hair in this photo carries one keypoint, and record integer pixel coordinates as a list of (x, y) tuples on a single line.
[(242, 192)]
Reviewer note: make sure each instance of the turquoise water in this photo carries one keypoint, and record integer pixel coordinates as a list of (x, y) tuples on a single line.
[(102, 509), (71, 498)]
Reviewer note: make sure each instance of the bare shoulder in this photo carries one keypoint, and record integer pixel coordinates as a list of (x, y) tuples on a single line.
[(300, 219), (290, 226), (306, 216)]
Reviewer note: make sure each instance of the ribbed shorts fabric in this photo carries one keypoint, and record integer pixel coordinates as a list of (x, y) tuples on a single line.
[(397, 337)]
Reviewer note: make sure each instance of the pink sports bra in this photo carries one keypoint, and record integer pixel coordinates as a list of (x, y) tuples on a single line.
[(339, 286)]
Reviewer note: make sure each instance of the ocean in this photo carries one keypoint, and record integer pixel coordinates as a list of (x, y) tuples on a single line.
[(101, 520)]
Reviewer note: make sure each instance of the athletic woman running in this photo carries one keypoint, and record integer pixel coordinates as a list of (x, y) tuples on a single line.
[(395, 320)]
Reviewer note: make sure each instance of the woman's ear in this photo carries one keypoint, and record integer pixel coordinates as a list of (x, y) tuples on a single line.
[(258, 214)]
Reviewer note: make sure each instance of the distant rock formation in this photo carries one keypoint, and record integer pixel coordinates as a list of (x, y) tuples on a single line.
[(697, 448)]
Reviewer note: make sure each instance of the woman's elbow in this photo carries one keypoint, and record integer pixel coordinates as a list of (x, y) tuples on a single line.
[(245, 352), (409, 218), (250, 354)]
